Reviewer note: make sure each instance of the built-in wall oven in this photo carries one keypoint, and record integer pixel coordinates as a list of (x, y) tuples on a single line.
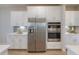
[(54, 31)]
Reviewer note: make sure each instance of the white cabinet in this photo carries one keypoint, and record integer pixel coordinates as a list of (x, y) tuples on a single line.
[(10, 41), (71, 39), (36, 11), (4, 52), (17, 41), (72, 49), (72, 18), (18, 18), (4, 49), (76, 18), (69, 18), (54, 13), (51, 13), (54, 45), (70, 52), (24, 42), (68, 39)]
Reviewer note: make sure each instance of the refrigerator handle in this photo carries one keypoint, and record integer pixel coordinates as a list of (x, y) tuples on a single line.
[(31, 30)]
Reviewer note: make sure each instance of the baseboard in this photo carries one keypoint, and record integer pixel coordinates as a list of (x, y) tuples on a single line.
[(53, 49), (27, 50), (37, 51)]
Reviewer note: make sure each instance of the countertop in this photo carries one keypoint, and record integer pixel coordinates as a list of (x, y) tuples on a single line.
[(3, 48), (18, 33), (74, 48), (72, 33)]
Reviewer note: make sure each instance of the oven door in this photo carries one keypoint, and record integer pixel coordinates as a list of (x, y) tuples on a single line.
[(53, 37)]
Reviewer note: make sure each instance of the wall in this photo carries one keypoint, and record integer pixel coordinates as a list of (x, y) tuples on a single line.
[(5, 25)]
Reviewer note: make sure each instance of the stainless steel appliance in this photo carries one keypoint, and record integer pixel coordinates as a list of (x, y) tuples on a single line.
[(37, 34), (54, 31)]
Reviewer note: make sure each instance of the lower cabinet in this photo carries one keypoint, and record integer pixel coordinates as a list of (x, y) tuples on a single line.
[(54, 45), (71, 39), (17, 41), (70, 52), (4, 52)]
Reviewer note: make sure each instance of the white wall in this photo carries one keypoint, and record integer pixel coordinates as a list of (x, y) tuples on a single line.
[(5, 25)]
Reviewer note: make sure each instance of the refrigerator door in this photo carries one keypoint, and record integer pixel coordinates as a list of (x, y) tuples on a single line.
[(31, 36), (40, 35)]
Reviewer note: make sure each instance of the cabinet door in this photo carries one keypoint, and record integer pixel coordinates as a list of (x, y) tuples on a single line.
[(5, 52), (36, 11), (18, 18), (72, 18), (71, 39), (76, 18), (70, 52), (53, 14), (14, 42), (17, 42), (69, 18), (23, 44), (10, 41)]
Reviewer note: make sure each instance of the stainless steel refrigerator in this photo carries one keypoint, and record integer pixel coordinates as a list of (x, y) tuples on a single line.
[(37, 34)]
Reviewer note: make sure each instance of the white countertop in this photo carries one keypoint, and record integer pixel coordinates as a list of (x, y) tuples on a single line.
[(18, 33), (74, 48), (72, 33), (3, 48)]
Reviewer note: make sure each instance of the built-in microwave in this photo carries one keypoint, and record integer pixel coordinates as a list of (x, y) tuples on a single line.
[(54, 31)]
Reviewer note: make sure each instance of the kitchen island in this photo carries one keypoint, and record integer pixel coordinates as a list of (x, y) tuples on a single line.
[(72, 49), (4, 49)]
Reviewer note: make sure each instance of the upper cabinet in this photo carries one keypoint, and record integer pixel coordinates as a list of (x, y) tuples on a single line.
[(36, 11), (51, 13), (69, 18), (72, 15), (18, 18), (72, 18), (77, 18)]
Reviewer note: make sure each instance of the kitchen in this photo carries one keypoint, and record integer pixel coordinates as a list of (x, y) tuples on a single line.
[(16, 33)]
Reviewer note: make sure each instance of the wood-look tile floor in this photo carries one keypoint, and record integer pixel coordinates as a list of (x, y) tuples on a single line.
[(25, 52)]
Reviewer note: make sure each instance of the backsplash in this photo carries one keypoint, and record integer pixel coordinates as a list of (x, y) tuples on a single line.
[(77, 29), (17, 27)]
